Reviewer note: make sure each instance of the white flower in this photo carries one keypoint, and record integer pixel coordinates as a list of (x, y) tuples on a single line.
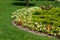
[(25, 13), (36, 22), (24, 16), (40, 29), (54, 33), (29, 11), (38, 26)]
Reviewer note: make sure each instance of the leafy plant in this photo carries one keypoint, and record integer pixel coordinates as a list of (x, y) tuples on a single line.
[(35, 18)]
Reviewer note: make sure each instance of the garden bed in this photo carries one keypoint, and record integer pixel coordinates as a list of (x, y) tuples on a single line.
[(38, 20)]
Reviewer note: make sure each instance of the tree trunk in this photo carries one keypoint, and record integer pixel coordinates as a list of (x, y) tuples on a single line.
[(27, 2)]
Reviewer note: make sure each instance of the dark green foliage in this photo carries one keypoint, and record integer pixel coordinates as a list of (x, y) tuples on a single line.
[(46, 15), (36, 13)]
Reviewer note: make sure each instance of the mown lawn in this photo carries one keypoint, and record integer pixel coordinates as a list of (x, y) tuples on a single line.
[(10, 32)]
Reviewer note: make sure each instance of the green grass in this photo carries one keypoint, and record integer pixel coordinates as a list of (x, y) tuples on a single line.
[(10, 32)]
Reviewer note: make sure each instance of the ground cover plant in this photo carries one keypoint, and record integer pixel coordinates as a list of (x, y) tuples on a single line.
[(36, 18)]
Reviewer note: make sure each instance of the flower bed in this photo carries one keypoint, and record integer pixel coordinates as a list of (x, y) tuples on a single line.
[(38, 19)]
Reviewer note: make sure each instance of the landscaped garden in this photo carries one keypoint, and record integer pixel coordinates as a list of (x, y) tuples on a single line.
[(37, 18)]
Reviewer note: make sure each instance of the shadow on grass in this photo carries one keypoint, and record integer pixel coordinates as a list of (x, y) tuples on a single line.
[(22, 4)]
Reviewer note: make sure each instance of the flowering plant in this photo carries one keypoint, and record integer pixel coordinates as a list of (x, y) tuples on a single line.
[(37, 19)]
